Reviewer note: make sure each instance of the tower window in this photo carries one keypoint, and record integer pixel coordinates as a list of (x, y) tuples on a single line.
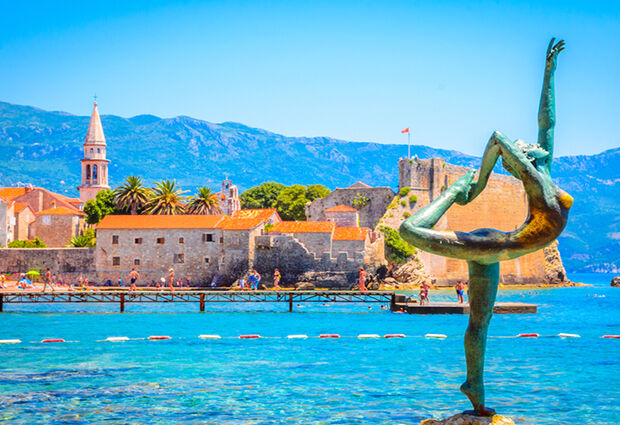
[(114, 239), (160, 241), (91, 150), (88, 172), (94, 172), (98, 150)]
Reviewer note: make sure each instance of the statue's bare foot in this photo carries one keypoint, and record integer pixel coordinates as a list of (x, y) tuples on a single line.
[(475, 396)]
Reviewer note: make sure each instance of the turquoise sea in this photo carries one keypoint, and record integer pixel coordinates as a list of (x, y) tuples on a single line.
[(273, 380)]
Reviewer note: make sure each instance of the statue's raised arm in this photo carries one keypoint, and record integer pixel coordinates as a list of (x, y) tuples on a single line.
[(546, 110)]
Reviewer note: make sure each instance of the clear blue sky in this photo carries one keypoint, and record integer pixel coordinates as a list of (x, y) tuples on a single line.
[(352, 70)]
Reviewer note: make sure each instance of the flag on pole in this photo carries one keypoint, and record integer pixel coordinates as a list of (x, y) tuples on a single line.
[(405, 130)]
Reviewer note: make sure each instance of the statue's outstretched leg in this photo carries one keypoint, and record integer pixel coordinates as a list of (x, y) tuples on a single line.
[(483, 283)]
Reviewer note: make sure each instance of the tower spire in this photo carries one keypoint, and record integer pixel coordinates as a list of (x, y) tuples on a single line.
[(94, 135)]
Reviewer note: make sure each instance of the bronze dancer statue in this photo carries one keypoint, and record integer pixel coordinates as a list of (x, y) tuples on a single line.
[(483, 249)]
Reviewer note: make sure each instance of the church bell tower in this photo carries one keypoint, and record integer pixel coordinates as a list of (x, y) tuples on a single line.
[(94, 163)]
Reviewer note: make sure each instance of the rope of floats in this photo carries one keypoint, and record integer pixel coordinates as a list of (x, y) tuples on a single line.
[(301, 336)]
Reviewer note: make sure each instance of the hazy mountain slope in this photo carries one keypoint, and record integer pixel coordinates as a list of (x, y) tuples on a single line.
[(44, 148)]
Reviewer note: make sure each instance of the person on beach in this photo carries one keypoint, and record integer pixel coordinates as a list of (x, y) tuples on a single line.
[(242, 284), (276, 280), (170, 278), (47, 280), (424, 293), (253, 280), (2, 281), (459, 291), (362, 280), (133, 276)]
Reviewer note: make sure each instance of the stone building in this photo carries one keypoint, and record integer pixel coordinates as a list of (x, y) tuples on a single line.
[(201, 247), (94, 163), (371, 203), (37, 212), (343, 216), (228, 198)]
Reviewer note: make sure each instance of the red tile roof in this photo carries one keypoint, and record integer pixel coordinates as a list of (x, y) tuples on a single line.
[(341, 208), (182, 221), (231, 223), (303, 227), (9, 193), (351, 233), (61, 211), (19, 206), (264, 214)]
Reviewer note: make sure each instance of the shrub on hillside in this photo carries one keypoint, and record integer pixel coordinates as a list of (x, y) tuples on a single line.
[(396, 248), (404, 191), (413, 199)]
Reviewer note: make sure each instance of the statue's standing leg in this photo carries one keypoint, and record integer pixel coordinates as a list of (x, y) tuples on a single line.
[(483, 283)]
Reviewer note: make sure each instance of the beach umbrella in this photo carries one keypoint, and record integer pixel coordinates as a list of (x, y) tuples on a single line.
[(33, 273)]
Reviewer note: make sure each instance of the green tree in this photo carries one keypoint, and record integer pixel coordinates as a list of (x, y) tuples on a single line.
[(316, 191), (166, 199), (103, 204), (132, 196), (85, 240), (291, 203), (262, 196), (205, 203)]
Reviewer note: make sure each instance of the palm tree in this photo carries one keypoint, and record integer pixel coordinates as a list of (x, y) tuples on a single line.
[(205, 203), (132, 195), (166, 199)]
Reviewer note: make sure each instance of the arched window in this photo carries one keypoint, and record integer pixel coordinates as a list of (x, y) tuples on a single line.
[(94, 173), (88, 172), (91, 150), (98, 150)]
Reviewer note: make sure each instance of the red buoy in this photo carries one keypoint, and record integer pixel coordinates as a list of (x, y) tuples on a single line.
[(532, 335), (249, 336), (612, 336), (158, 337), (53, 340), (394, 336), (329, 336)]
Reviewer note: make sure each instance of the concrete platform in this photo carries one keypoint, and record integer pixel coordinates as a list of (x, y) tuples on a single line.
[(455, 308)]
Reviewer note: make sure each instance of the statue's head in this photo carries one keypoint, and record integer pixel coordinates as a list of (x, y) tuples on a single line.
[(534, 153)]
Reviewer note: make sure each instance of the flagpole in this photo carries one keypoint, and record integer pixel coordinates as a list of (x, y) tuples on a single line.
[(408, 144)]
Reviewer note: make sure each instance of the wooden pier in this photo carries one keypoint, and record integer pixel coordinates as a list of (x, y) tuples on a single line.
[(407, 305), (200, 297), (121, 297)]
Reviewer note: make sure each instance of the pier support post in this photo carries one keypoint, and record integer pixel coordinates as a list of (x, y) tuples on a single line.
[(1, 302), (393, 303), (202, 302), (122, 303), (290, 303)]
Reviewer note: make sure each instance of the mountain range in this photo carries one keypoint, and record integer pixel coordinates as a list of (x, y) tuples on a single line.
[(43, 148)]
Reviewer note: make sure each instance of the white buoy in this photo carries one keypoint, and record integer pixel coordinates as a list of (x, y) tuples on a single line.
[(209, 337), (368, 336), (297, 336), (10, 341), (116, 338), (563, 335), (436, 336)]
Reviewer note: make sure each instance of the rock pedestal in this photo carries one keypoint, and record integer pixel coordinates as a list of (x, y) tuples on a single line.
[(615, 281), (463, 419)]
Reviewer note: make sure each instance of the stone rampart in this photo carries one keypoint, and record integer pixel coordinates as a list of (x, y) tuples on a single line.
[(295, 261), (66, 264)]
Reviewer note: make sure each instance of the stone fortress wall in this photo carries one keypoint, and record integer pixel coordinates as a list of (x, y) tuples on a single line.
[(503, 206), (66, 264), (375, 200)]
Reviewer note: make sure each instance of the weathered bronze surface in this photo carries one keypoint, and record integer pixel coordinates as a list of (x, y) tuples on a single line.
[(483, 249)]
